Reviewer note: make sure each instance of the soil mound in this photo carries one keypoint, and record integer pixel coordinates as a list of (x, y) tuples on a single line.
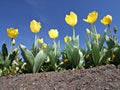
[(97, 78)]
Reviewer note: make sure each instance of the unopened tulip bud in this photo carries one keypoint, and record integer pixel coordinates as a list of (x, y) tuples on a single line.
[(13, 41), (87, 31), (115, 29)]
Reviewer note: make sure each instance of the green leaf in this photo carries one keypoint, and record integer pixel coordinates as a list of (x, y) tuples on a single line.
[(81, 61), (76, 41), (105, 56), (110, 42), (35, 48), (7, 62), (51, 54), (88, 43), (39, 60), (102, 40), (69, 50), (75, 57), (4, 51), (27, 55), (95, 53)]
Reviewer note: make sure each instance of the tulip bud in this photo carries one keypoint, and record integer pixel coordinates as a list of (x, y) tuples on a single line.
[(115, 29), (44, 45), (87, 31), (41, 40), (13, 41), (98, 36), (66, 60)]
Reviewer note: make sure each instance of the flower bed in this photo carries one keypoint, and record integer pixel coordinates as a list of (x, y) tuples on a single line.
[(44, 58)]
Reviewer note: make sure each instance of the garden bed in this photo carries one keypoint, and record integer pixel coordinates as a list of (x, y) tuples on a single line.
[(97, 78)]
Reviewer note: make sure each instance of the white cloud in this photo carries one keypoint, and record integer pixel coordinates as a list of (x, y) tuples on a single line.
[(32, 2)]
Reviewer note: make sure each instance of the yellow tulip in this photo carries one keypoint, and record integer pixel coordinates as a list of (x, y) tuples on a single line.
[(35, 26), (71, 19), (92, 17), (98, 36), (12, 33), (53, 33), (67, 38), (40, 40), (107, 20), (87, 31), (44, 45)]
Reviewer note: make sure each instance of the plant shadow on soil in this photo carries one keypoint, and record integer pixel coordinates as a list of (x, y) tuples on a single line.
[(97, 78)]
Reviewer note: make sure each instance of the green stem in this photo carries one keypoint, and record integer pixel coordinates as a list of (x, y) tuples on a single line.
[(54, 46), (110, 32), (11, 46), (73, 33)]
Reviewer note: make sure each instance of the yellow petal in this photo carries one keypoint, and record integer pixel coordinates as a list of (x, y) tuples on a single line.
[(40, 40), (71, 19), (107, 20), (44, 45), (35, 26), (12, 33), (53, 33), (98, 36), (92, 17)]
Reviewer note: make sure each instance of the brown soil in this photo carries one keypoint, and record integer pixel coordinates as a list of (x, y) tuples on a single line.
[(97, 78)]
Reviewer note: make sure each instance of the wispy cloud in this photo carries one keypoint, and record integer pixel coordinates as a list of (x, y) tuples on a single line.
[(32, 2)]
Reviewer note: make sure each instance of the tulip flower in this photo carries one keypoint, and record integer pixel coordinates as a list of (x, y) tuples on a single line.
[(35, 26), (12, 33), (53, 33), (44, 45), (92, 17), (71, 19), (40, 40), (67, 38), (107, 20)]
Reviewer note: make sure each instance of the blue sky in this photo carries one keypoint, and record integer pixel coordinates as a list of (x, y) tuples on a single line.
[(51, 14)]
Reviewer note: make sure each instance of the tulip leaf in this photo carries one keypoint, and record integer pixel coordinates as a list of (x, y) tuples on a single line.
[(81, 61), (75, 57), (76, 41), (35, 48), (27, 55), (105, 56), (95, 53), (4, 51), (102, 40), (39, 59)]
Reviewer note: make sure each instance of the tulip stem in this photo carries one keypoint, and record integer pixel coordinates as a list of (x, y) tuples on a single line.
[(110, 32), (73, 33), (11, 46)]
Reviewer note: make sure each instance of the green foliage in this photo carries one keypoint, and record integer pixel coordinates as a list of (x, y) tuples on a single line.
[(7, 60), (73, 53), (53, 53), (114, 46), (34, 57), (96, 51)]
